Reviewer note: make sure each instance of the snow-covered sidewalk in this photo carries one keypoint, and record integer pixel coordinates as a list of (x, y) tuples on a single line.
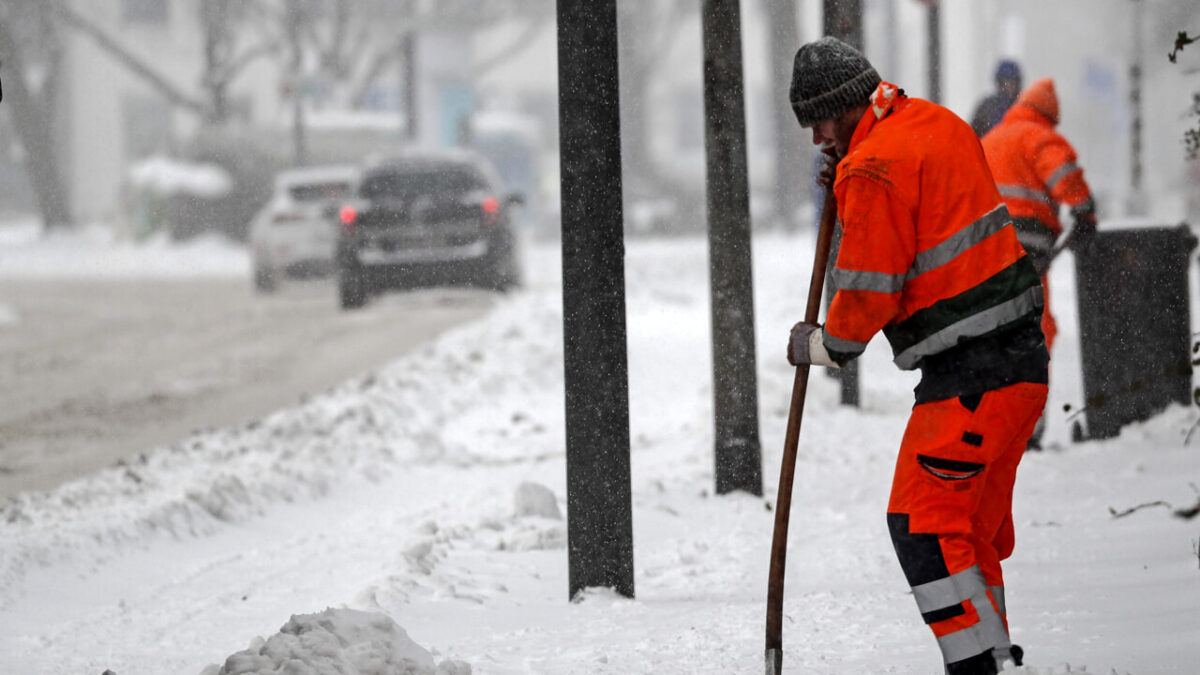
[(419, 493)]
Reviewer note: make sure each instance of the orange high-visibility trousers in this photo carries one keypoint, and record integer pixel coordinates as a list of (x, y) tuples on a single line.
[(950, 515)]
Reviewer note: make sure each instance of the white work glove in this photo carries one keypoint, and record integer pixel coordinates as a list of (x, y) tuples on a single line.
[(807, 346)]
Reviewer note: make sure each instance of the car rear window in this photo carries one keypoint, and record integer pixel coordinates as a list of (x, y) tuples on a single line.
[(408, 184), (316, 192)]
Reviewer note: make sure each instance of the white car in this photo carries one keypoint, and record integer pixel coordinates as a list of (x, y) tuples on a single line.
[(295, 234)]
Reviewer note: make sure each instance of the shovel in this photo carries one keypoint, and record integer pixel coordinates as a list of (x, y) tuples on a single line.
[(787, 468)]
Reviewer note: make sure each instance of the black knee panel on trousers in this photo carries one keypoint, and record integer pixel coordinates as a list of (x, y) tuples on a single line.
[(920, 555)]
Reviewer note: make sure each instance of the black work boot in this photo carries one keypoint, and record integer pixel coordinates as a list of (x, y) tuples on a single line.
[(980, 664), (1035, 440), (1013, 655)]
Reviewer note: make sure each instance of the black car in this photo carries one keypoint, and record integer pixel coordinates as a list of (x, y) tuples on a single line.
[(426, 219)]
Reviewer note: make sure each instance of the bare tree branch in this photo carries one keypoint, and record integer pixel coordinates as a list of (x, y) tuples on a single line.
[(668, 31), (374, 67), (52, 85), (1121, 514), (31, 118), (135, 64), (235, 65), (1181, 40), (332, 54), (1189, 512), (519, 44)]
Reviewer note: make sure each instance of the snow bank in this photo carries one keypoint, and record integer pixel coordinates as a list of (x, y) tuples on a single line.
[(422, 409), (96, 252)]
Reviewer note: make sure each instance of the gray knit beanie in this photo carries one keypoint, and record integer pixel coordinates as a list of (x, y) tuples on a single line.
[(829, 77)]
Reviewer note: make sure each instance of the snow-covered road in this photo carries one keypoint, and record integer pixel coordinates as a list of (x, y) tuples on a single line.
[(100, 364), (406, 493)]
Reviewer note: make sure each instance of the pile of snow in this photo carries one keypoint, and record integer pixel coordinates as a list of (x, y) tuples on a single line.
[(533, 499), (430, 493), (343, 641)]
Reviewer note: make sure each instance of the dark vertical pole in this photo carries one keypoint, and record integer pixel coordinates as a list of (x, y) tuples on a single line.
[(599, 511), (735, 384), (843, 20), (934, 18), (408, 83), (295, 19), (1137, 202)]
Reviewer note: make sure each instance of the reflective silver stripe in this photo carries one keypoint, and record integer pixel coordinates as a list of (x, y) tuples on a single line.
[(962, 586), (1060, 173), (987, 225), (859, 280), (972, 326), (844, 346), (991, 626), (950, 590), (1023, 192), (998, 596), (1043, 241), (991, 223), (963, 644), (987, 634)]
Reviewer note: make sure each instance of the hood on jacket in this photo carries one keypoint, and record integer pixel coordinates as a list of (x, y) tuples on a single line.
[(1041, 97)]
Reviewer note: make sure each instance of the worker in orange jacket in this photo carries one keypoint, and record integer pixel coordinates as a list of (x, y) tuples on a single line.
[(929, 256), (1036, 170)]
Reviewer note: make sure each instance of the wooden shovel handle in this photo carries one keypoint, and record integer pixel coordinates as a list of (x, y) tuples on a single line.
[(787, 468)]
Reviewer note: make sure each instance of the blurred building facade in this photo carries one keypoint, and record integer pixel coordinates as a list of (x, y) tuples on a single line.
[(111, 118)]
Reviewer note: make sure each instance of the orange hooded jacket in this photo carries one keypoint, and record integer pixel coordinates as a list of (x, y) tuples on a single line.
[(1035, 167), (928, 254)]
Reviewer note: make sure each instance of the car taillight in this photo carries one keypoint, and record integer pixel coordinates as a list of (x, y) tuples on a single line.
[(491, 209), (348, 215)]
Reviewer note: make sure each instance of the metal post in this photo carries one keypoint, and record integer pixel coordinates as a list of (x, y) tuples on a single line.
[(599, 510), (1137, 200), (843, 19), (299, 138), (408, 85), (735, 385)]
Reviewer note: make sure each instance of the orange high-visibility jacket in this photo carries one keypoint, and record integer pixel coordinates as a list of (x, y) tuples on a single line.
[(1034, 166), (928, 253)]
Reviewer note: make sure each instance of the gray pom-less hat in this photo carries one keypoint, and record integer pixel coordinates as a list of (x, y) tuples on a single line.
[(829, 77)]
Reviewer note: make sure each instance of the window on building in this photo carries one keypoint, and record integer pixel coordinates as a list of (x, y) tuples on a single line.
[(146, 11)]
